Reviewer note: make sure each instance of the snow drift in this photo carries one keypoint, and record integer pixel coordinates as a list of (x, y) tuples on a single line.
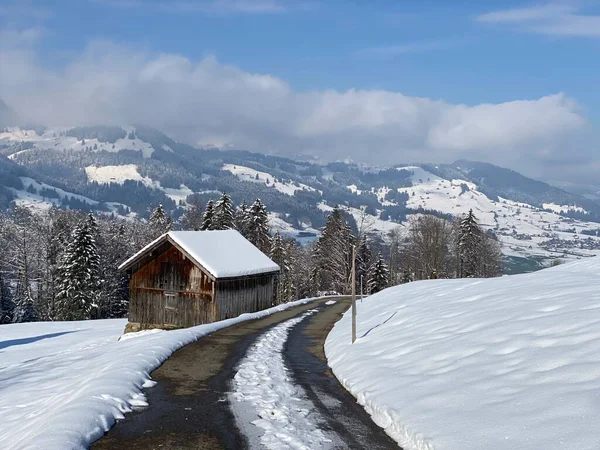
[(63, 384), (505, 363)]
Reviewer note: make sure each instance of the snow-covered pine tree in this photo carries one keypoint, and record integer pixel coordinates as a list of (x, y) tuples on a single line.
[(159, 222), (333, 254), (242, 219), (378, 276), (192, 219), (223, 214), (469, 245), (258, 227), (207, 218), (7, 306), (113, 250), (79, 289)]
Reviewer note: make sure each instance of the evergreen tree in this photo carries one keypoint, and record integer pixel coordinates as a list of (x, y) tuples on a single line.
[(277, 253), (114, 289), (223, 214), (333, 254), (159, 222), (192, 219), (6, 303), (79, 289), (242, 219), (469, 245), (258, 227), (378, 276), (207, 218)]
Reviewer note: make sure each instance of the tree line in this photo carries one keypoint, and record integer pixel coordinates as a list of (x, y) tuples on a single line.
[(62, 264)]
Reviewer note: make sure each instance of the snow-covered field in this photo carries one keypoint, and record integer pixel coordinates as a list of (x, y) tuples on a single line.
[(63, 384), (505, 363)]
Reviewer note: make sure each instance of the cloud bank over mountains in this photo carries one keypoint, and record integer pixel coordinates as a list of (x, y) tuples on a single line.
[(207, 102)]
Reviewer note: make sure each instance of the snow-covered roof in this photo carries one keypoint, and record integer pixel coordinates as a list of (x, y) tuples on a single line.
[(223, 253)]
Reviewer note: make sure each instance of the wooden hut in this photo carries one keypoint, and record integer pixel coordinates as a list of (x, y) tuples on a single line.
[(187, 278)]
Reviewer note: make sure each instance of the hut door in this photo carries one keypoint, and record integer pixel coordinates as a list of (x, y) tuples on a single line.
[(171, 306)]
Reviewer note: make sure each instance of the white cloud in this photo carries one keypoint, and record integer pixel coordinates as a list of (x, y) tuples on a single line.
[(562, 19), (209, 102)]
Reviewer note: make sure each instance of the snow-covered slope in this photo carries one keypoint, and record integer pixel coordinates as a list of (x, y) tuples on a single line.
[(38, 196), (63, 384), (523, 229), (41, 195), (504, 363), (55, 138), (122, 173), (248, 174)]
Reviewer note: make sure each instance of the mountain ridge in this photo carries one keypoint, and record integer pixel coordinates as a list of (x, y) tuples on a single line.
[(126, 170)]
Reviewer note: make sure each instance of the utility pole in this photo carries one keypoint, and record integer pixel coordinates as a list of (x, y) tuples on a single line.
[(353, 294)]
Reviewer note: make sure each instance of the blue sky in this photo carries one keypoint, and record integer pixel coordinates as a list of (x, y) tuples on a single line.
[(457, 53)]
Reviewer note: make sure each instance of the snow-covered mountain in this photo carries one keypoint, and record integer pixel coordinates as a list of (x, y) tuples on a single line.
[(127, 170)]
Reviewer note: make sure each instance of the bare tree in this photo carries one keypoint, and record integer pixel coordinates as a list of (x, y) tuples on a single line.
[(428, 249)]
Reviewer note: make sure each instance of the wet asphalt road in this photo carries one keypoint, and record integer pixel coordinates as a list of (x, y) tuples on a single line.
[(189, 407), (305, 358)]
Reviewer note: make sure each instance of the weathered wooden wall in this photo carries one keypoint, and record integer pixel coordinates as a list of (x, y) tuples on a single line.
[(171, 290), (243, 295)]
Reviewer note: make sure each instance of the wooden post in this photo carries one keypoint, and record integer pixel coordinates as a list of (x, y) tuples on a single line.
[(353, 294)]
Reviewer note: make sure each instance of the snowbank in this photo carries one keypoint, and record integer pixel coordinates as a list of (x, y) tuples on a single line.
[(506, 363), (63, 384)]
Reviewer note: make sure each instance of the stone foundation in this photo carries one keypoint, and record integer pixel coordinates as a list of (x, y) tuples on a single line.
[(133, 327)]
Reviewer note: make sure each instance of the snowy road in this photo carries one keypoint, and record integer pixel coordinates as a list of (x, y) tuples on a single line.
[(259, 384)]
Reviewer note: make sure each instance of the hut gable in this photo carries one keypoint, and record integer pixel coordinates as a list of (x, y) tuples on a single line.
[(187, 278)]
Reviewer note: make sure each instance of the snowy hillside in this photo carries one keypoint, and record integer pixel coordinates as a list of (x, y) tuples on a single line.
[(505, 363), (106, 167), (120, 174), (64, 384), (41, 196), (524, 230), (56, 139), (248, 174)]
